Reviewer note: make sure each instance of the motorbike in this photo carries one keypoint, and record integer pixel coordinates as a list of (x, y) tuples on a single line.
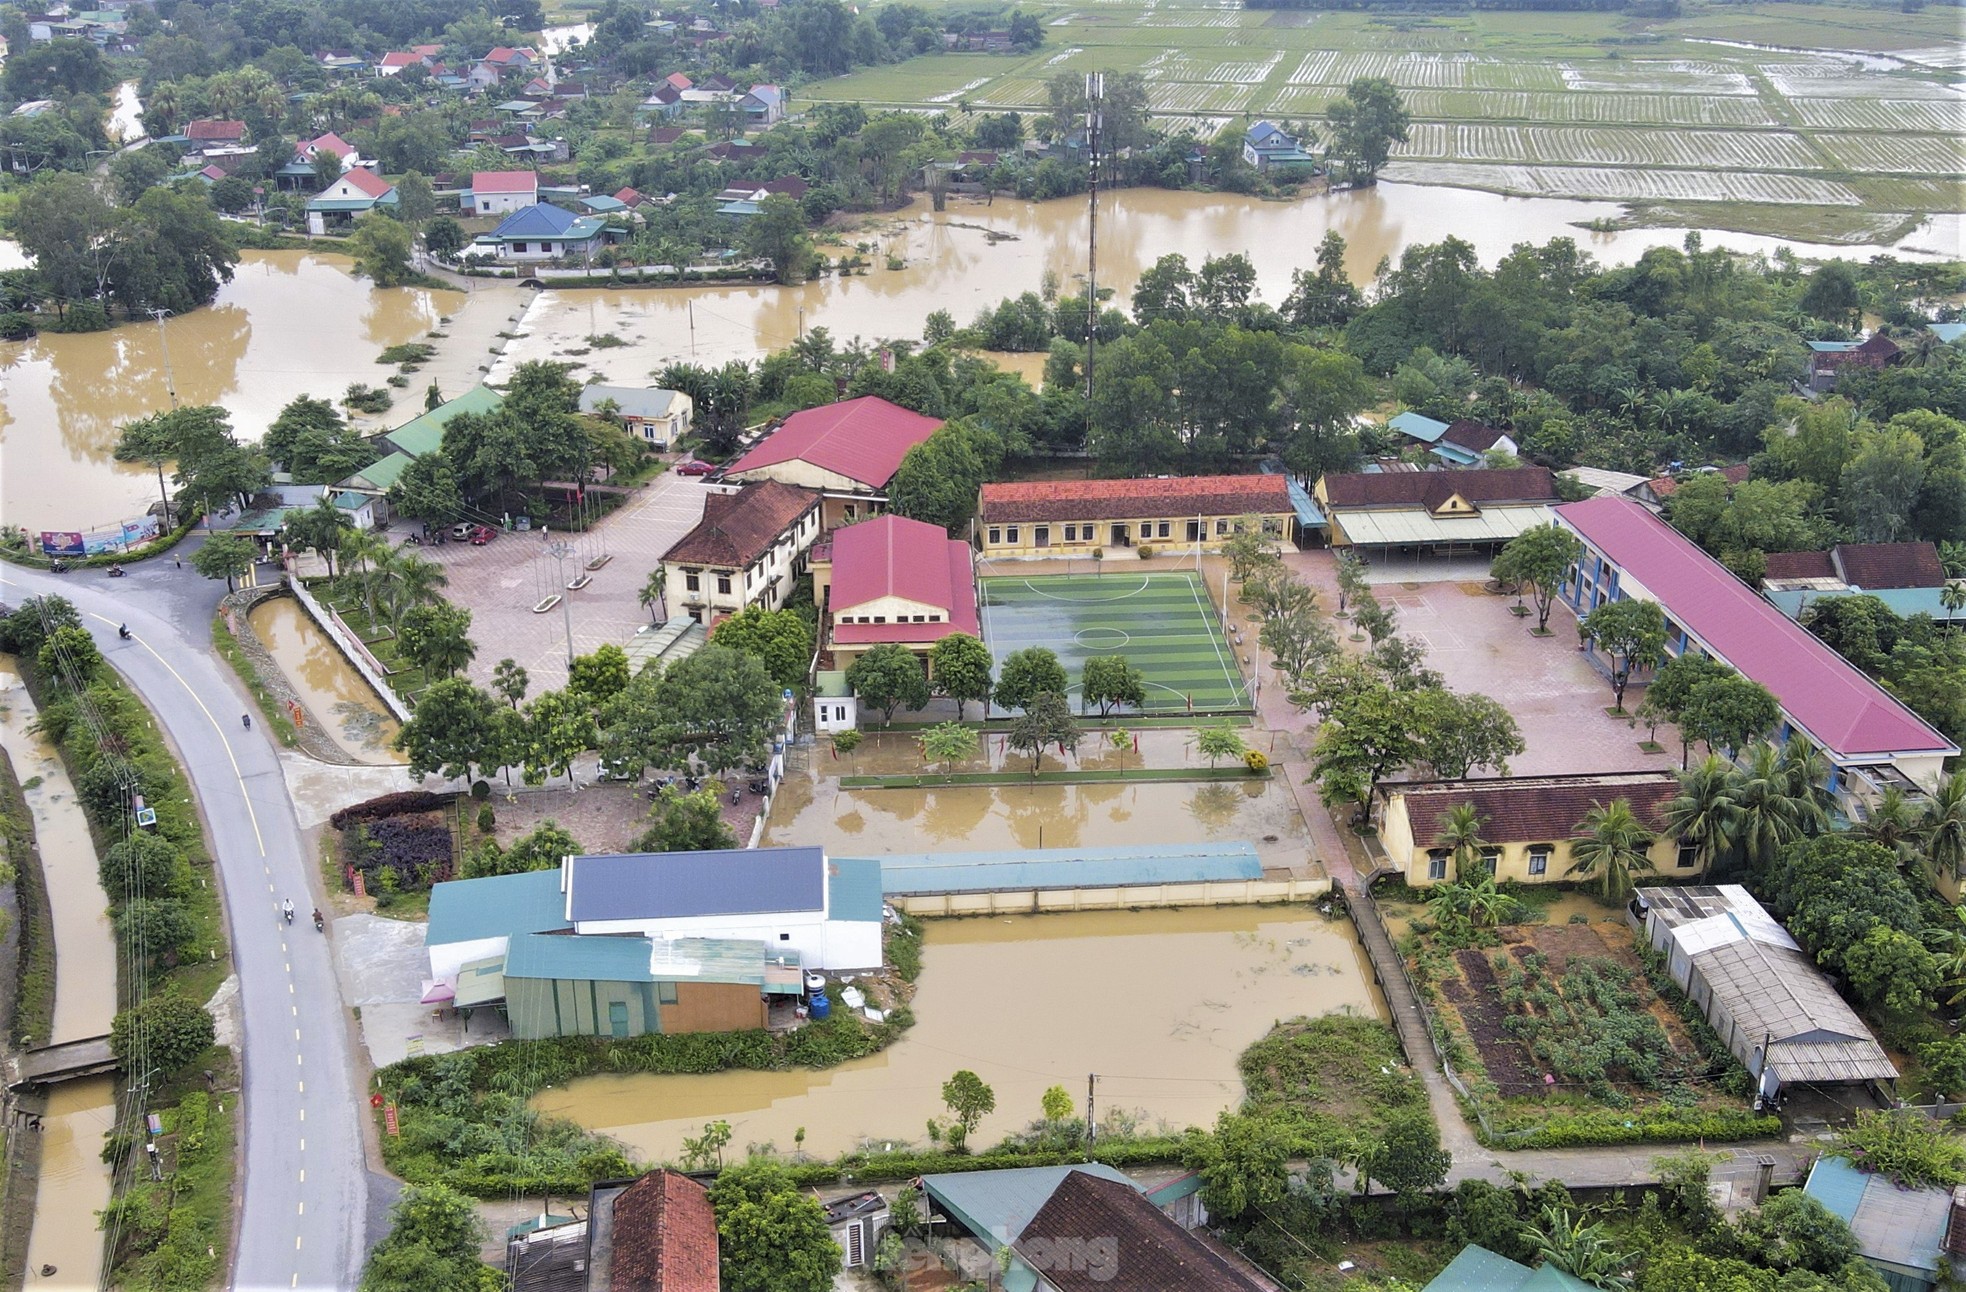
[(319, 923), (58, 567), (115, 571), (736, 797), (288, 912), (246, 721), (760, 787), (123, 631)]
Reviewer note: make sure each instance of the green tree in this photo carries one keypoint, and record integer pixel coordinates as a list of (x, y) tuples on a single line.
[(1247, 549), (544, 848), (314, 443), (1704, 813), (1057, 1104), (1219, 741), (1893, 971), (718, 708), (781, 638), (1407, 1158), (152, 927), (1610, 848), (1367, 733), (452, 730), (225, 556), (599, 675), (959, 667), (429, 490), (1107, 680), (1672, 687), (1831, 295), (1907, 1146), (771, 1237), (1633, 634), (1244, 1163), (443, 236), (145, 864), (652, 591), (1585, 1251), (1793, 1230), (509, 679), (559, 729), (381, 247), (433, 1241), (1365, 124), (160, 1035), (436, 637), (70, 655), (777, 235), (1027, 674), (886, 677), (1539, 558), (1879, 489), (1774, 810), (687, 821), (1460, 733), (1047, 720), (948, 743), (969, 1100), (1728, 712), (151, 440)]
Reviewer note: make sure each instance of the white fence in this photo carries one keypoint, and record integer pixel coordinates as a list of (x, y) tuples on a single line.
[(351, 647)]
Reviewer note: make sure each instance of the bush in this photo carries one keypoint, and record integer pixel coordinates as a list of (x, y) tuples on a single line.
[(1606, 1126), (15, 326), (1911, 1149), (161, 1035), (414, 851), (81, 316), (1146, 551), (1256, 761), (388, 805)]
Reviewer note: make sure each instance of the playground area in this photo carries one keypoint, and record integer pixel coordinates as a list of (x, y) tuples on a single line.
[(1164, 624)]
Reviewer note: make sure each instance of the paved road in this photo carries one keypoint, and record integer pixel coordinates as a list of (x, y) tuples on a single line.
[(305, 1192)]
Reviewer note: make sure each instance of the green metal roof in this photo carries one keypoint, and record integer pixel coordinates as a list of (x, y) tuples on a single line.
[(380, 476), (1898, 1230), (425, 434), (466, 910), (1477, 1269), (970, 872), (583, 959), (853, 888)]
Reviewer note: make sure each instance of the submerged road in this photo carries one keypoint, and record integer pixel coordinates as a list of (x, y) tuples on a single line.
[(304, 1211)]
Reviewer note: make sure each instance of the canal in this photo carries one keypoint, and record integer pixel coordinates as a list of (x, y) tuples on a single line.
[(335, 695)]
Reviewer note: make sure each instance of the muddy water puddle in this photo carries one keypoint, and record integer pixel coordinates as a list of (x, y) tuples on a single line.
[(74, 1185), (85, 947), (1158, 1003), (334, 694), (981, 818)]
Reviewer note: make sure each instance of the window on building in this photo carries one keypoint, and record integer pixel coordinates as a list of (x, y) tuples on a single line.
[(1010, 534), (1221, 528), (935, 619), (691, 582), (784, 937), (1272, 528), (1437, 864), (1689, 856), (723, 584), (1539, 859), (665, 993), (1071, 533), (1491, 858), (1146, 529), (996, 536), (848, 512), (880, 619), (1163, 530), (1041, 535)]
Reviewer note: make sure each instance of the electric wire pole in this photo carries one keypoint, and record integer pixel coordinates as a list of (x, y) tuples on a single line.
[(1095, 96)]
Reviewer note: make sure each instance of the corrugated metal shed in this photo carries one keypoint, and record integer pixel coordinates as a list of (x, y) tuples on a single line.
[(1408, 525), (1418, 426), (571, 958), (679, 885), (465, 910), (709, 960), (1052, 868), (1899, 1231), (1477, 1269)]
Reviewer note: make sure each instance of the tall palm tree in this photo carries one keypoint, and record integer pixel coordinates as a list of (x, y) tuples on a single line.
[(1610, 849), (1808, 771), (1771, 813), (652, 590), (413, 581), (1892, 822), (1460, 833), (1703, 813), (1944, 826), (1953, 597)]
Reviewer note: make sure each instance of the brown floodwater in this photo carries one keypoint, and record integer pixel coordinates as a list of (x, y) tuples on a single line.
[(334, 694), (74, 1185), (85, 945), (983, 818), (126, 115), (1158, 1003)]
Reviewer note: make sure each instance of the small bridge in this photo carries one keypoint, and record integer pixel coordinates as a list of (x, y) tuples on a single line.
[(53, 1064)]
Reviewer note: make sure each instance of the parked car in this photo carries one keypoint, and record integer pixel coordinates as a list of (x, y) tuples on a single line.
[(696, 467), (482, 535), (462, 530)]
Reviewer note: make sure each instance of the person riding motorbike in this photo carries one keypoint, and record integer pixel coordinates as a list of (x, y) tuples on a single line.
[(287, 909), (123, 631), (318, 921)]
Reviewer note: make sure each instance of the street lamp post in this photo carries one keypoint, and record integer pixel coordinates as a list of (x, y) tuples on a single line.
[(560, 550)]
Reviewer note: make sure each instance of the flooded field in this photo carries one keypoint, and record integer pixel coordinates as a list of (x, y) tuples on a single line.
[(980, 818), (1160, 1005), (74, 1186), (333, 692)]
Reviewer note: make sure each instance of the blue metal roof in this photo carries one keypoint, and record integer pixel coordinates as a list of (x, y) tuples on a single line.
[(1832, 347), (1455, 455), (540, 220), (1424, 429), (1309, 514), (1477, 1269), (1898, 1230), (996, 1206), (853, 888), (1904, 602), (970, 872), (465, 910), (584, 959), (679, 885), (604, 203)]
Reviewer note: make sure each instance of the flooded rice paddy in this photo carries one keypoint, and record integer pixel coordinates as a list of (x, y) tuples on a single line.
[(1158, 1003), (334, 694)]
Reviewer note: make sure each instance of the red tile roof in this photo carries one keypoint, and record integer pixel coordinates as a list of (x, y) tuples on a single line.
[(892, 556), (1174, 496), (367, 181), (1832, 702), (1533, 809), (1148, 1251), (790, 186), (628, 197), (1890, 565), (1798, 565), (212, 131), (1663, 487), (676, 80), (329, 142), (1432, 488), (665, 1235), (862, 439), (1475, 437), (397, 59), (738, 528), (504, 181)]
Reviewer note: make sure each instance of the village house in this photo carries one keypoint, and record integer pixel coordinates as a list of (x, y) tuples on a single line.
[(892, 580), (747, 199), (653, 1233), (1467, 443), (746, 551), (1909, 578), (1869, 736), (1658, 491), (420, 435), (544, 232), (1773, 1008), (1435, 512), (1074, 517), (354, 195), (299, 172), (503, 62), (1828, 359), (1528, 824), (1266, 147), (847, 451), (499, 192), (763, 105), (396, 61), (1912, 1238), (658, 417), (210, 136)]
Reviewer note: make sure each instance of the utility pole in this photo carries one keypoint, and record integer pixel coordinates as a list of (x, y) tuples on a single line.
[(164, 340), (690, 305), (1090, 1078), (802, 322), (560, 550), (1095, 97)]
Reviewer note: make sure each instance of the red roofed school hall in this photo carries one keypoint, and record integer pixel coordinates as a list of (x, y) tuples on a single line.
[(848, 451), (1871, 739), (892, 580), (1072, 517)]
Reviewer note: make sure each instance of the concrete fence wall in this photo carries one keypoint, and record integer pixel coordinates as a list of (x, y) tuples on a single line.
[(1043, 901), (351, 647)]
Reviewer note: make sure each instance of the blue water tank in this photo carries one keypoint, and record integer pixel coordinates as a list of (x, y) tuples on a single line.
[(821, 1006)]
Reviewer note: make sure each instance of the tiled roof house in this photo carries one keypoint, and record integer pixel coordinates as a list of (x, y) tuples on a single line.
[(745, 551), (1054, 517), (892, 579), (848, 451)]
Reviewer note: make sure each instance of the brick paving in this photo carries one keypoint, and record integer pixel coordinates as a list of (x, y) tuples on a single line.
[(501, 582)]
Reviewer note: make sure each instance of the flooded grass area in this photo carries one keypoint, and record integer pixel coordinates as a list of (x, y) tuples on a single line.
[(1159, 1003), (335, 695), (981, 818)]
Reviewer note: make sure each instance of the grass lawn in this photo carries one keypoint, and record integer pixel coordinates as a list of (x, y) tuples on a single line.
[(1164, 624)]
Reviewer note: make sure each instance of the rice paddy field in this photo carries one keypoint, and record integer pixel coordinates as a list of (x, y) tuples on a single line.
[(1816, 120)]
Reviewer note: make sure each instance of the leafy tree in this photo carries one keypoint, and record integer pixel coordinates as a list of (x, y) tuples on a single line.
[(1893, 971), (1611, 846), (381, 247), (777, 235), (718, 708), (34, 621), (225, 556), (1247, 549), (152, 440), (559, 729), (1046, 720), (1367, 733), (443, 236), (1632, 633), (160, 1035), (1728, 712), (1459, 733), (1366, 123), (1774, 809), (433, 1242), (1244, 1163), (948, 743), (144, 863), (687, 821), (436, 637), (600, 675), (151, 927), (1107, 680), (1219, 741), (781, 638), (429, 490), (653, 589), (1057, 1104), (510, 680), (1913, 1150), (1539, 558), (959, 667), (1672, 687), (969, 1100), (1027, 674), (1407, 1158), (888, 676), (70, 655), (314, 443), (771, 1237), (451, 731), (1831, 295)]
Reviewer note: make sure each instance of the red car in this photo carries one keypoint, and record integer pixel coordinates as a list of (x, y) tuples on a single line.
[(482, 535), (696, 467)]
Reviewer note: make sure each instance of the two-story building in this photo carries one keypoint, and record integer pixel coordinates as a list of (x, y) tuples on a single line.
[(892, 579), (847, 451), (746, 551), (1266, 147), (1073, 517)]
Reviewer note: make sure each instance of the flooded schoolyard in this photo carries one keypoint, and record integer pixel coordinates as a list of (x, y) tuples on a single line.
[(1158, 1003), (345, 705)]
